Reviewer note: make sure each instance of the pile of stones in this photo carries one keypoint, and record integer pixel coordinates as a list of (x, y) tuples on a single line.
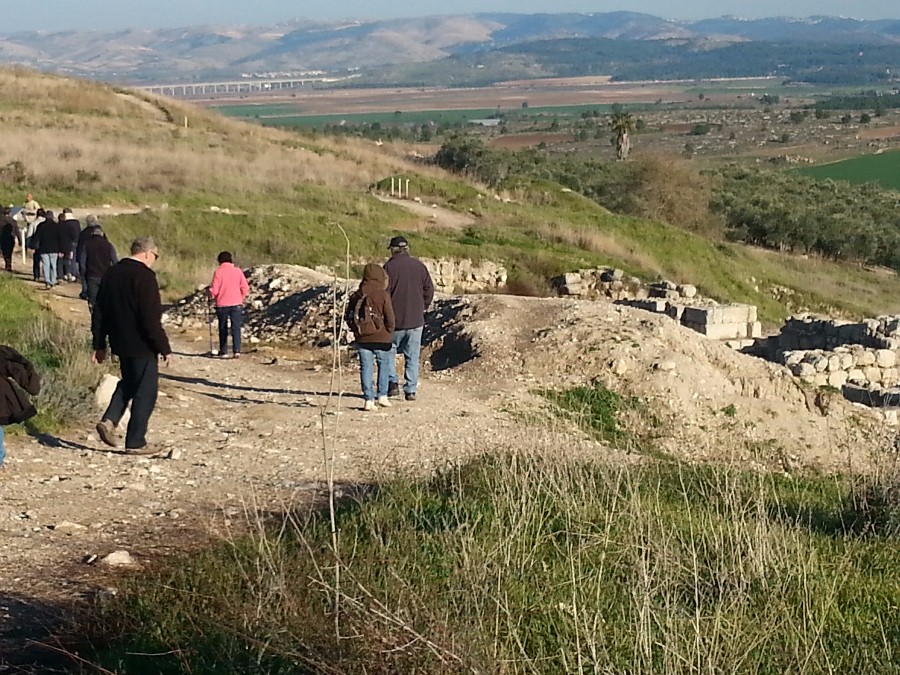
[(286, 302)]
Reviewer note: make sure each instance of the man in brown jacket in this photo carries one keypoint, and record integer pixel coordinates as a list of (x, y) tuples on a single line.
[(411, 291), (370, 316)]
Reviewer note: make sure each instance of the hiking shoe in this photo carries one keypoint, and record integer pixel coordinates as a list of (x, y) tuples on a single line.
[(369, 405), (383, 402), (146, 450), (393, 390), (410, 396), (108, 433), (236, 355)]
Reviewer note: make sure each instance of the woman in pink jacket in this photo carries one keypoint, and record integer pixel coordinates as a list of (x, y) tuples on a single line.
[(228, 289)]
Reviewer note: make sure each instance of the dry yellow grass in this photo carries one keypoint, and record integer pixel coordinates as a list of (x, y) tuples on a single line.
[(70, 133)]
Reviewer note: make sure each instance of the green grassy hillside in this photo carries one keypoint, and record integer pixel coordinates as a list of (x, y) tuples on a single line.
[(289, 195)]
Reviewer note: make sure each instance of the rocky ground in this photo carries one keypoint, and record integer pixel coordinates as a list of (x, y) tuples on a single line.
[(246, 436)]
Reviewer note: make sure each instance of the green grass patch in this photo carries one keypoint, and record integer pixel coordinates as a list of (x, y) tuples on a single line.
[(595, 408), (521, 564), (882, 168)]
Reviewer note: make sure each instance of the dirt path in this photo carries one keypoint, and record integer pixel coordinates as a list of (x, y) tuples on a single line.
[(435, 215), (248, 437)]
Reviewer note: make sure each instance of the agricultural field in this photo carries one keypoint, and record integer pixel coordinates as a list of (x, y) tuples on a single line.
[(882, 168), (755, 119)]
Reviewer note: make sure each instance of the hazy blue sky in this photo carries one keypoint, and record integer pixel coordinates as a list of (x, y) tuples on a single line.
[(59, 15)]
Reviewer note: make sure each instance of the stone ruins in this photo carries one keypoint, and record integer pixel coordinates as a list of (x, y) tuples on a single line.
[(860, 359), (735, 323)]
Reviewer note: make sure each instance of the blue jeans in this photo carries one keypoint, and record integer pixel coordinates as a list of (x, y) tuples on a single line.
[(48, 262), (234, 315), (367, 360), (407, 341), (2, 447)]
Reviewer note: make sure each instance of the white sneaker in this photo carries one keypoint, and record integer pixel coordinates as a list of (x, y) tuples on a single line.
[(383, 402), (369, 405)]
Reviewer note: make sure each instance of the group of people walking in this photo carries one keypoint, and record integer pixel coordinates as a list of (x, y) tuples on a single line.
[(61, 249), (386, 314)]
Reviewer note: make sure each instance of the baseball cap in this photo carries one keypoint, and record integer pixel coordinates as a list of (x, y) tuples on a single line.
[(398, 242)]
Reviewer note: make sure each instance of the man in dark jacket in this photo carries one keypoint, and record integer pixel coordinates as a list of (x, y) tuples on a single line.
[(411, 291), (129, 312), (51, 245), (9, 236), (90, 226), (71, 232), (97, 256)]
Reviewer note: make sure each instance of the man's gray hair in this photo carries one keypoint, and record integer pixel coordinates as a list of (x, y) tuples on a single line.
[(143, 245), (91, 219)]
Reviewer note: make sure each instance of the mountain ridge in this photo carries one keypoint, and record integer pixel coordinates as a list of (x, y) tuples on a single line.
[(214, 50)]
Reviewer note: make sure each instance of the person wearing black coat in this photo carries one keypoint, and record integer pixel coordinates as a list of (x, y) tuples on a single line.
[(9, 236), (71, 228), (16, 374), (128, 313), (97, 256), (51, 246)]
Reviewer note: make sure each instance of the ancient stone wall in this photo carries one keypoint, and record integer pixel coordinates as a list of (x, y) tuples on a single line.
[(464, 276), (681, 302), (860, 358)]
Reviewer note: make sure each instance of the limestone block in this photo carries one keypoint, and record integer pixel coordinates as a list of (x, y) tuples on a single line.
[(754, 328), (890, 376), (856, 375), (837, 379), (687, 290), (847, 362), (820, 379), (821, 364), (728, 314), (865, 358), (885, 358), (873, 374), (104, 393), (834, 363)]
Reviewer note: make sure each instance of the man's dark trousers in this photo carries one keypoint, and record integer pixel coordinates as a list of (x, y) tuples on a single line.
[(138, 386)]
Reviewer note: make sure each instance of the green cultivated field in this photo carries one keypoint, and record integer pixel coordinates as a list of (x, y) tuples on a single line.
[(291, 115), (883, 169)]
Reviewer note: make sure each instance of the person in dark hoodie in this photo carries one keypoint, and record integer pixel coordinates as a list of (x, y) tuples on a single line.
[(129, 313), (370, 316), (51, 243), (16, 374)]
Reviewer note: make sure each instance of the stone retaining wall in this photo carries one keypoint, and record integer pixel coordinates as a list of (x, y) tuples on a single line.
[(679, 301), (859, 358), (464, 276)]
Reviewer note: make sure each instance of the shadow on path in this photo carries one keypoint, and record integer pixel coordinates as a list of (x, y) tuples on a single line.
[(238, 387)]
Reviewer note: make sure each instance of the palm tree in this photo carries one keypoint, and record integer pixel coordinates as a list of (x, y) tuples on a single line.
[(622, 123)]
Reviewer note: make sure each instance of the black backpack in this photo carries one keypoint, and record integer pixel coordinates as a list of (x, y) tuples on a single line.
[(365, 320)]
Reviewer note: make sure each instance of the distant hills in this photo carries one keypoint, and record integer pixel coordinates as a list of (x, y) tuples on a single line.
[(385, 50)]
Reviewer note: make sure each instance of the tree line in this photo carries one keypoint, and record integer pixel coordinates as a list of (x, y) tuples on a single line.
[(777, 209)]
